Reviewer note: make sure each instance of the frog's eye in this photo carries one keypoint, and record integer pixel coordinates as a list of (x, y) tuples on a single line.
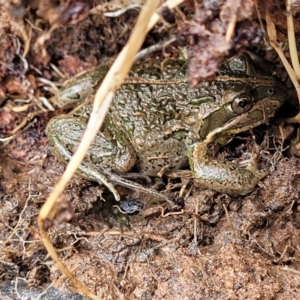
[(241, 105), (270, 91)]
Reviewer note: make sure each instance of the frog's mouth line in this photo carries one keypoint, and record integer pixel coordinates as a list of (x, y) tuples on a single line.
[(246, 121)]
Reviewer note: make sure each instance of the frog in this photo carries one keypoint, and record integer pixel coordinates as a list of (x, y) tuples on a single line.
[(159, 124)]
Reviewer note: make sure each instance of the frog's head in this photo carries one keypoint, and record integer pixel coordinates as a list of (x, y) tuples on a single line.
[(251, 96)]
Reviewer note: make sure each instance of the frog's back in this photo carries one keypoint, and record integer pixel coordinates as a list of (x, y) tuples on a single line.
[(157, 111)]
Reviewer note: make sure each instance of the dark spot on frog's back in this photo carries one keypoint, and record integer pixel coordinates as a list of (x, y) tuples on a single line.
[(128, 126), (178, 135), (236, 66), (233, 85), (70, 147)]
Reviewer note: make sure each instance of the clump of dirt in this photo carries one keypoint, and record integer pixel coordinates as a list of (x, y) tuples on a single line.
[(217, 246)]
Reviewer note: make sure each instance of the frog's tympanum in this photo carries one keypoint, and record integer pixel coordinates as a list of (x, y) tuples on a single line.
[(157, 123)]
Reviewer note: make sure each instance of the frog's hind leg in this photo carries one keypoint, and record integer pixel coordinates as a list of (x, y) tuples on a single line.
[(62, 142), (105, 154)]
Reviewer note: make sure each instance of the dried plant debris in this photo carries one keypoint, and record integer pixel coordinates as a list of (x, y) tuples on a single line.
[(64, 11), (276, 9), (12, 18), (217, 29), (116, 7)]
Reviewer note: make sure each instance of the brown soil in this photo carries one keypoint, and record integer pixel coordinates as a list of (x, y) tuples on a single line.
[(217, 247)]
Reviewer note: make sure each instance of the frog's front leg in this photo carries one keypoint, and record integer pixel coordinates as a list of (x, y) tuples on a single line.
[(109, 151), (224, 177)]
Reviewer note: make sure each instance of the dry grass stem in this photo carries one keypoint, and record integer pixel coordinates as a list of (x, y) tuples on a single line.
[(273, 41), (291, 39)]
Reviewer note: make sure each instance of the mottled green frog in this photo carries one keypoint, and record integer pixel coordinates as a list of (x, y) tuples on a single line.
[(158, 124)]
